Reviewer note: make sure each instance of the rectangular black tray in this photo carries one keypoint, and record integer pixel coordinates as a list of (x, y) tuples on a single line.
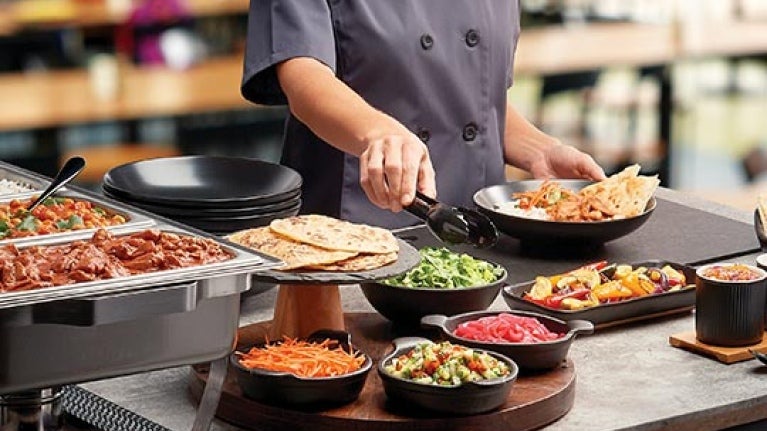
[(616, 313)]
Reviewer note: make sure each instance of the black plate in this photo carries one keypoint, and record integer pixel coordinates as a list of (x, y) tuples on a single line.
[(532, 230), (202, 212), (529, 356), (232, 224), (407, 259), (281, 388), (203, 180), (467, 399), (604, 315), (407, 305)]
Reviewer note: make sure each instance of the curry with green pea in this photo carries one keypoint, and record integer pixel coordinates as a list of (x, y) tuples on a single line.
[(56, 214)]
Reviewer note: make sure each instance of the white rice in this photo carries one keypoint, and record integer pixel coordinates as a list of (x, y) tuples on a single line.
[(512, 208), (8, 187)]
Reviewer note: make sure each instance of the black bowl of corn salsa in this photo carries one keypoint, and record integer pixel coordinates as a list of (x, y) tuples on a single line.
[(444, 282), (444, 377)]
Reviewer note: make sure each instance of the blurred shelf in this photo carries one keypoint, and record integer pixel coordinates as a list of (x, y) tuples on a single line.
[(29, 14), (53, 99), (724, 38), (559, 49), (100, 159)]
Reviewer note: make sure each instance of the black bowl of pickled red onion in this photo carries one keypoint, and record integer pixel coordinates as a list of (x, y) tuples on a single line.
[(534, 341)]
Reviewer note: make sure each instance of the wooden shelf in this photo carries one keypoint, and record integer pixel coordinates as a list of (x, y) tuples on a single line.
[(551, 50), (728, 39), (53, 99), (18, 16)]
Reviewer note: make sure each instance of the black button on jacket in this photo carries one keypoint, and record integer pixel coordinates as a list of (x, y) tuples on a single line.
[(434, 65)]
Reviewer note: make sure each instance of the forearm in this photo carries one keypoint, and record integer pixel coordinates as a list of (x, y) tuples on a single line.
[(331, 109), (524, 144)]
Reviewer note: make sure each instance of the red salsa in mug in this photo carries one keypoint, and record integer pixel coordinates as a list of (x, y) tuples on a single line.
[(736, 272)]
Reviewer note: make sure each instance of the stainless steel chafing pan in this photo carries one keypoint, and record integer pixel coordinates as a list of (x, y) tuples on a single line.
[(78, 340), (242, 261)]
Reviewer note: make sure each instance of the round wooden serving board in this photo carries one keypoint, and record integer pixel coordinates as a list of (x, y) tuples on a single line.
[(535, 400)]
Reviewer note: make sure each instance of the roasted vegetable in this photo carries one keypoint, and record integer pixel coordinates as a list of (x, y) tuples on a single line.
[(599, 283)]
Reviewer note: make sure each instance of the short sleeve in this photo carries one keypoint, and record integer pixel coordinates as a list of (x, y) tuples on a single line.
[(277, 31)]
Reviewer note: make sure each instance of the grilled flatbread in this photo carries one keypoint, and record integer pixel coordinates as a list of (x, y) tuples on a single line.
[(362, 262), (293, 253), (334, 234), (625, 193)]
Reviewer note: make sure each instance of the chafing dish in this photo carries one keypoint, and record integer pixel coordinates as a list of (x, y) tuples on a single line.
[(92, 330)]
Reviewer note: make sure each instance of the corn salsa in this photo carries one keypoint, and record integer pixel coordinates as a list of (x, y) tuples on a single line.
[(445, 364), (56, 214)]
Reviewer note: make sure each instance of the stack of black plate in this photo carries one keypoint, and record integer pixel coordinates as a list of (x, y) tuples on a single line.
[(220, 195)]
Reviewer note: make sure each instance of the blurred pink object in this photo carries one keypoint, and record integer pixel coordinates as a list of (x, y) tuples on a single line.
[(140, 36)]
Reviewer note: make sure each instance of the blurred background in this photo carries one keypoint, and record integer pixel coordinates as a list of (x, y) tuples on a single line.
[(679, 86)]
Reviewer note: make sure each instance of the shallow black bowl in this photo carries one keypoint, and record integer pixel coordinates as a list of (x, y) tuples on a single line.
[(233, 224), (194, 181), (278, 388), (544, 231), (203, 212), (467, 399), (529, 356), (407, 305)]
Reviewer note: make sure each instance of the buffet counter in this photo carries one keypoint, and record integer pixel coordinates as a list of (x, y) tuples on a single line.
[(628, 376)]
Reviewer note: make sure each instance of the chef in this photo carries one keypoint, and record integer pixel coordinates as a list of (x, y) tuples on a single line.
[(391, 96)]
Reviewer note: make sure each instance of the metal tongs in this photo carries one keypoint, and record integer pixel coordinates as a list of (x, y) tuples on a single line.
[(67, 173), (760, 222), (454, 225)]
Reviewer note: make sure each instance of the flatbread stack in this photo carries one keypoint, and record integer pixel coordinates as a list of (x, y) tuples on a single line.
[(321, 243), (626, 193)]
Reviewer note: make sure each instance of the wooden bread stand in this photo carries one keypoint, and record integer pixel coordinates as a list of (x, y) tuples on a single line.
[(535, 400), (301, 310)]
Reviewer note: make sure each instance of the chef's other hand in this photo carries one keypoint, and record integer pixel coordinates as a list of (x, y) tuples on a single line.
[(393, 166), (564, 161)]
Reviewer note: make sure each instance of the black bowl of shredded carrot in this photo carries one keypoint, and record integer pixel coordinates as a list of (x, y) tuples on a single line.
[(324, 369)]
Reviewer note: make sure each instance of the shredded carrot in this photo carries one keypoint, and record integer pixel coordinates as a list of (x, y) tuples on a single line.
[(303, 358)]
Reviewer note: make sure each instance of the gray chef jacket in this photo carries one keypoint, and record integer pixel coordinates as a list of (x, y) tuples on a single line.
[(440, 67)]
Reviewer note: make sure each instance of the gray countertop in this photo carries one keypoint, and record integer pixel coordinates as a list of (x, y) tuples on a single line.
[(628, 377)]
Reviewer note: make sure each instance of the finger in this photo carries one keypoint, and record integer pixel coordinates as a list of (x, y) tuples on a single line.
[(393, 170), (371, 175), (426, 177), (591, 169), (411, 159)]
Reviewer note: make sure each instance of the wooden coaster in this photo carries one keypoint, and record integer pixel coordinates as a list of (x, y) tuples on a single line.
[(727, 355)]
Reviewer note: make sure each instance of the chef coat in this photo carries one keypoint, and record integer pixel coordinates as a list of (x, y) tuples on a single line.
[(440, 67)]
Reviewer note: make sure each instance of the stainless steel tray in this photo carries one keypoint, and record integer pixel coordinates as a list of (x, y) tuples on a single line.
[(13, 173), (134, 219), (243, 261)]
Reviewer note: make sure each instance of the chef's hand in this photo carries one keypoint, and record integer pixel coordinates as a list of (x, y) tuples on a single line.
[(393, 166), (564, 161)]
